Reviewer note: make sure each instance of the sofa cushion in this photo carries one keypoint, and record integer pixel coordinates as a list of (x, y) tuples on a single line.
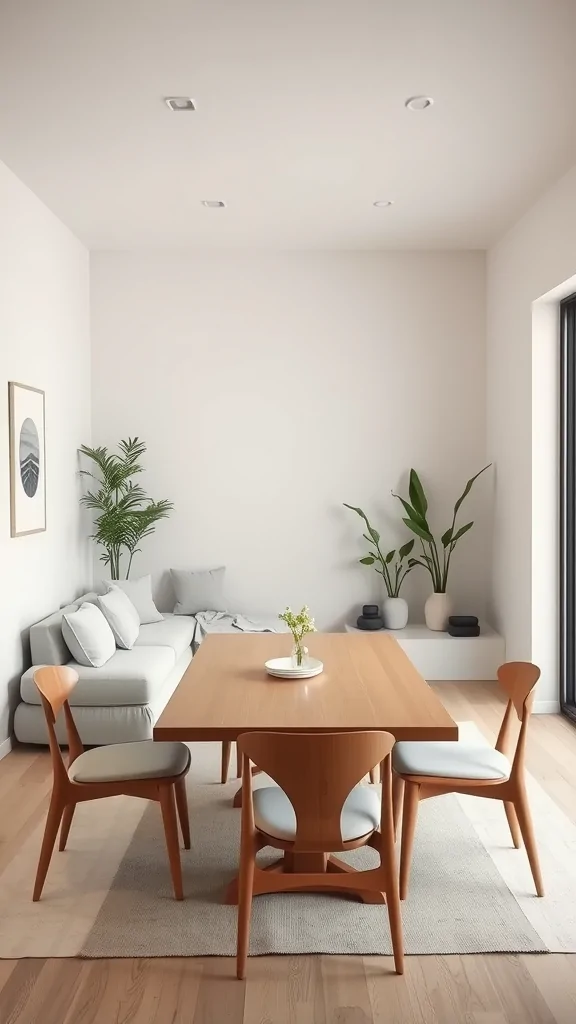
[(175, 631), (199, 591), (88, 635), (121, 616), (129, 677), (47, 645), (140, 593)]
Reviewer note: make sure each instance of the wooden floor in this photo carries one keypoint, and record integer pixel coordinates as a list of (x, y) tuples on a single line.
[(493, 989)]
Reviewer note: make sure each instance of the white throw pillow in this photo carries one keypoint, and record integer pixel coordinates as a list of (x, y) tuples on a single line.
[(140, 594), (199, 591), (88, 636), (121, 616)]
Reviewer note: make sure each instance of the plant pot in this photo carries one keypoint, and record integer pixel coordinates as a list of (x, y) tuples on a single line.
[(436, 611), (395, 612)]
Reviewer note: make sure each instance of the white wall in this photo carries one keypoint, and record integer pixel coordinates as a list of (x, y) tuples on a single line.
[(271, 388), (44, 342), (535, 257)]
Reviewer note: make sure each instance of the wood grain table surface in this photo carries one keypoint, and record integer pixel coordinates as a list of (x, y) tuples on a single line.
[(368, 682)]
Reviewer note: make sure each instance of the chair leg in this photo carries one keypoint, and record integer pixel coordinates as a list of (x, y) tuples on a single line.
[(66, 823), (182, 805), (53, 820), (409, 816), (392, 894), (245, 889), (168, 806), (513, 824), (397, 795), (526, 827), (238, 763), (226, 748)]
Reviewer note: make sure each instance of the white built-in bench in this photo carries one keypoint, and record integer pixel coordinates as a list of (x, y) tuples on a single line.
[(440, 656)]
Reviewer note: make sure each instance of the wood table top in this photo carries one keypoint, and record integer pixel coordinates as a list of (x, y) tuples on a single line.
[(368, 682)]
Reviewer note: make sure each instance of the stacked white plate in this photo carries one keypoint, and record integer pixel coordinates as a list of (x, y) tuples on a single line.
[(283, 668)]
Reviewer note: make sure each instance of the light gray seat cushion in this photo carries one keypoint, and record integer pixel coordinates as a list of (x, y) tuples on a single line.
[(274, 814), (447, 760), (129, 677), (175, 631), (129, 762), (101, 725)]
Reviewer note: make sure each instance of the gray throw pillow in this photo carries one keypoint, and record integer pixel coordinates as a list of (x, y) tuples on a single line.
[(199, 591), (140, 594), (88, 636), (121, 616)]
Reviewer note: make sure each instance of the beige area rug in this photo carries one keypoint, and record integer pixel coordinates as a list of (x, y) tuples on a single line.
[(109, 894)]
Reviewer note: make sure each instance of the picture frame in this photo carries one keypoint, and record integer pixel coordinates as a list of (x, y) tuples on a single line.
[(27, 441)]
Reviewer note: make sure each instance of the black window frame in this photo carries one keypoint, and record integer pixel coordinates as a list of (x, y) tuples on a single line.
[(568, 506)]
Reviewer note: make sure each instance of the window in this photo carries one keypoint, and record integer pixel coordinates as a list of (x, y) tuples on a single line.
[(568, 505)]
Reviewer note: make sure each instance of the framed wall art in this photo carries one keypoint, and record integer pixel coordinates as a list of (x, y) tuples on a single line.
[(27, 460)]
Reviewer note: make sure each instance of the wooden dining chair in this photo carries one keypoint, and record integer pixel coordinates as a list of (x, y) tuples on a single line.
[(315, 809), (154, 771), (430, 769), (225, 765)]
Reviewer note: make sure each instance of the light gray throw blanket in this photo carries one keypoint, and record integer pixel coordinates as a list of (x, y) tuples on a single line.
[(226, 622)]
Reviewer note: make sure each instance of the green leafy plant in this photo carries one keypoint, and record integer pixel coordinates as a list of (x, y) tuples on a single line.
[(391, 566), (300, 624), (435, 557), (125, 514)]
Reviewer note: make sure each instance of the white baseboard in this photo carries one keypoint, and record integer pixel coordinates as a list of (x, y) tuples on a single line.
[(5, 748), (546, 707)]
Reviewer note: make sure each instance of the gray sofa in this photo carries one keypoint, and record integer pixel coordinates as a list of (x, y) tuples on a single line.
[(119, 702)]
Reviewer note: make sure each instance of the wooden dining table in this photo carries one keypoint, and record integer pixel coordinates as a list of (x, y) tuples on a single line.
[(368, 682)]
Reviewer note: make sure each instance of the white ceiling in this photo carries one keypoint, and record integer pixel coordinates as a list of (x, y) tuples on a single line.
[(300, 124)]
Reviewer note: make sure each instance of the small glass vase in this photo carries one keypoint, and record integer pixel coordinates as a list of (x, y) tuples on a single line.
[(299, 655)]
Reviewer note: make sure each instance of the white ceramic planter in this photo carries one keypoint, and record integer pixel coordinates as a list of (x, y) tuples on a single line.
[(437, 609), (394, 612)]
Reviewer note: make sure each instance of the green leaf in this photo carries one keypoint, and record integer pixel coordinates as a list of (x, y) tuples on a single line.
[(419, 530), (411, 512), (367, 560), (468, 488), (406, 548), (461, 532), (390, 556), (446, 537), (374, 534), (417, 495), (358, 511)]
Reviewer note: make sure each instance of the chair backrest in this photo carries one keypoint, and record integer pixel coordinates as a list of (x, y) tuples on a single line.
[(518, 680), (317, 771), (55, 683)]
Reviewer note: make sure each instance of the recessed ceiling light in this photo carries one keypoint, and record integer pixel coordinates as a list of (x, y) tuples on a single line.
[(384, 202), (214, 204), (178, 103), (419, 102)]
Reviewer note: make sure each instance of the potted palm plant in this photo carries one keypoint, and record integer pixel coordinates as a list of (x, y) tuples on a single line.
[(124, 513), (436, 557), (393, 569)]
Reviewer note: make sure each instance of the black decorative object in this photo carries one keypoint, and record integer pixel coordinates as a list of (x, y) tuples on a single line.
[(370, 618), (463, 630), (463, 620)]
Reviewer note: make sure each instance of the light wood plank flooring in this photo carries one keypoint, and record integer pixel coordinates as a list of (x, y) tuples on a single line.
[(296, 990)]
